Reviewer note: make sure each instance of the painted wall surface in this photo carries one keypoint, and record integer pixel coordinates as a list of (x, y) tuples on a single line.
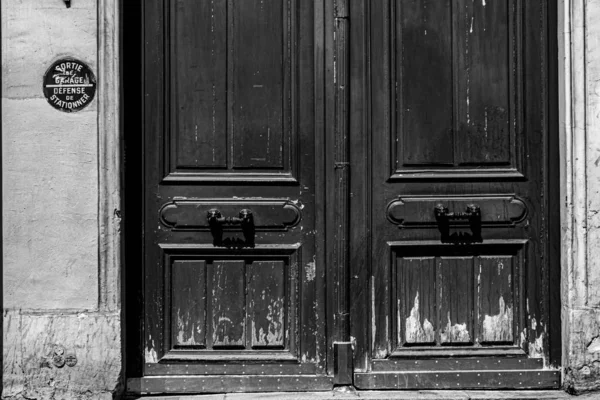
[(50, 212)]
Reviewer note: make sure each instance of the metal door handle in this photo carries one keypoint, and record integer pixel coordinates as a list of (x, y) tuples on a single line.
[(216, 221), (214, 217), (472, 211), (472, 214)]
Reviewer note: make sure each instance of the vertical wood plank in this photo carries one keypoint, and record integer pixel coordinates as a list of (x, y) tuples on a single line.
[(378, 282), (455, 276), (483, 82), (199, 91), (341, 184), (260, 55), (155, 341), (495, 299), (267, 304), (188, 304), (424, 70), (228, 304), (416, 297)]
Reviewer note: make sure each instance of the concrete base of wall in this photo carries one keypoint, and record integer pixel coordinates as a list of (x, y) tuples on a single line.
[(29, 346), (582, 363)]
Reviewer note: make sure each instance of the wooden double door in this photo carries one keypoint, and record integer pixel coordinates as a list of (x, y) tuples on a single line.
[(341, 193)]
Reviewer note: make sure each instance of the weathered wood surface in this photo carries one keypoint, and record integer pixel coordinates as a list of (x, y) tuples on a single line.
[(472, 363), (454, 111), (230, 384), (504, 379), (229, 124), (222, 131)]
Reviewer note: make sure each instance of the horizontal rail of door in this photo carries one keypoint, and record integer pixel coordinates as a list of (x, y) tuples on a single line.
[(228, 384), (498, 379), (483, 363)]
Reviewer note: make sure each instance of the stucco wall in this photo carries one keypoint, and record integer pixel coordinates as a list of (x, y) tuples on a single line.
[(579, 37), (50, 211)]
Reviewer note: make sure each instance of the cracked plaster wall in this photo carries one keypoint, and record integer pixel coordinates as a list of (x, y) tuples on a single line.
[(50, 212), (581, 211)]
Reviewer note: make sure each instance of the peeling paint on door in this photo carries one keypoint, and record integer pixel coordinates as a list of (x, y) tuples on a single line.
[(187, 329), (150, 353), (269, 331), (456, 333), (415, 332), (498, 328), (311, 270), (536, 349)]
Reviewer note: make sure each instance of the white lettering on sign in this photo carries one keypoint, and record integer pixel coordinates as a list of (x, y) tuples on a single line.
[(69, 85)]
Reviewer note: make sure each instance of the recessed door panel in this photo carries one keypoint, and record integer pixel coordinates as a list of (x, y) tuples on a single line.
[(455, 75), (460, 298), (232, 89)]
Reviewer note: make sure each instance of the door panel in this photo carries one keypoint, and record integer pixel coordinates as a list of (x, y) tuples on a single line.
[(232, 89), (230, 282), (458, 72), (232, 306), (457, 209), (452, 297)]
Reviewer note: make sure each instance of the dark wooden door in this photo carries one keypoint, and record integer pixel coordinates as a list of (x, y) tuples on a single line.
[(230, 220), (456, 177)]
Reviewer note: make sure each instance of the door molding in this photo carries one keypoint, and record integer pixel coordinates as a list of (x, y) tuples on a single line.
[(109, 157), (573, 133)]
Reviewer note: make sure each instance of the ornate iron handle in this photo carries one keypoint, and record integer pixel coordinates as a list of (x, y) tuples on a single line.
[(214, 217), (472, 214), (216, 222)]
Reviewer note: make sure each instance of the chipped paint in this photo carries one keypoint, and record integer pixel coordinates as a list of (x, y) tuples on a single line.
[(414, 331), (311, 270), (150, 353), (298, 204), (536, 349), (373, 326), (272, 333), (221, 338), (456, 333), (186, 331), (381, 353), (498, 328)]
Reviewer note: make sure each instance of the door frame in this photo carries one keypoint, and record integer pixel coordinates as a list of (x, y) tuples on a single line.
[(115, 75)]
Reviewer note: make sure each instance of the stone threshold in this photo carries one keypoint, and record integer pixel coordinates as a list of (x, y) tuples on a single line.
[(392, 395)]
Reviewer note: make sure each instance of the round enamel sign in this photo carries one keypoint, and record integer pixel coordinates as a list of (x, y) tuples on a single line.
[(69, 85)]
